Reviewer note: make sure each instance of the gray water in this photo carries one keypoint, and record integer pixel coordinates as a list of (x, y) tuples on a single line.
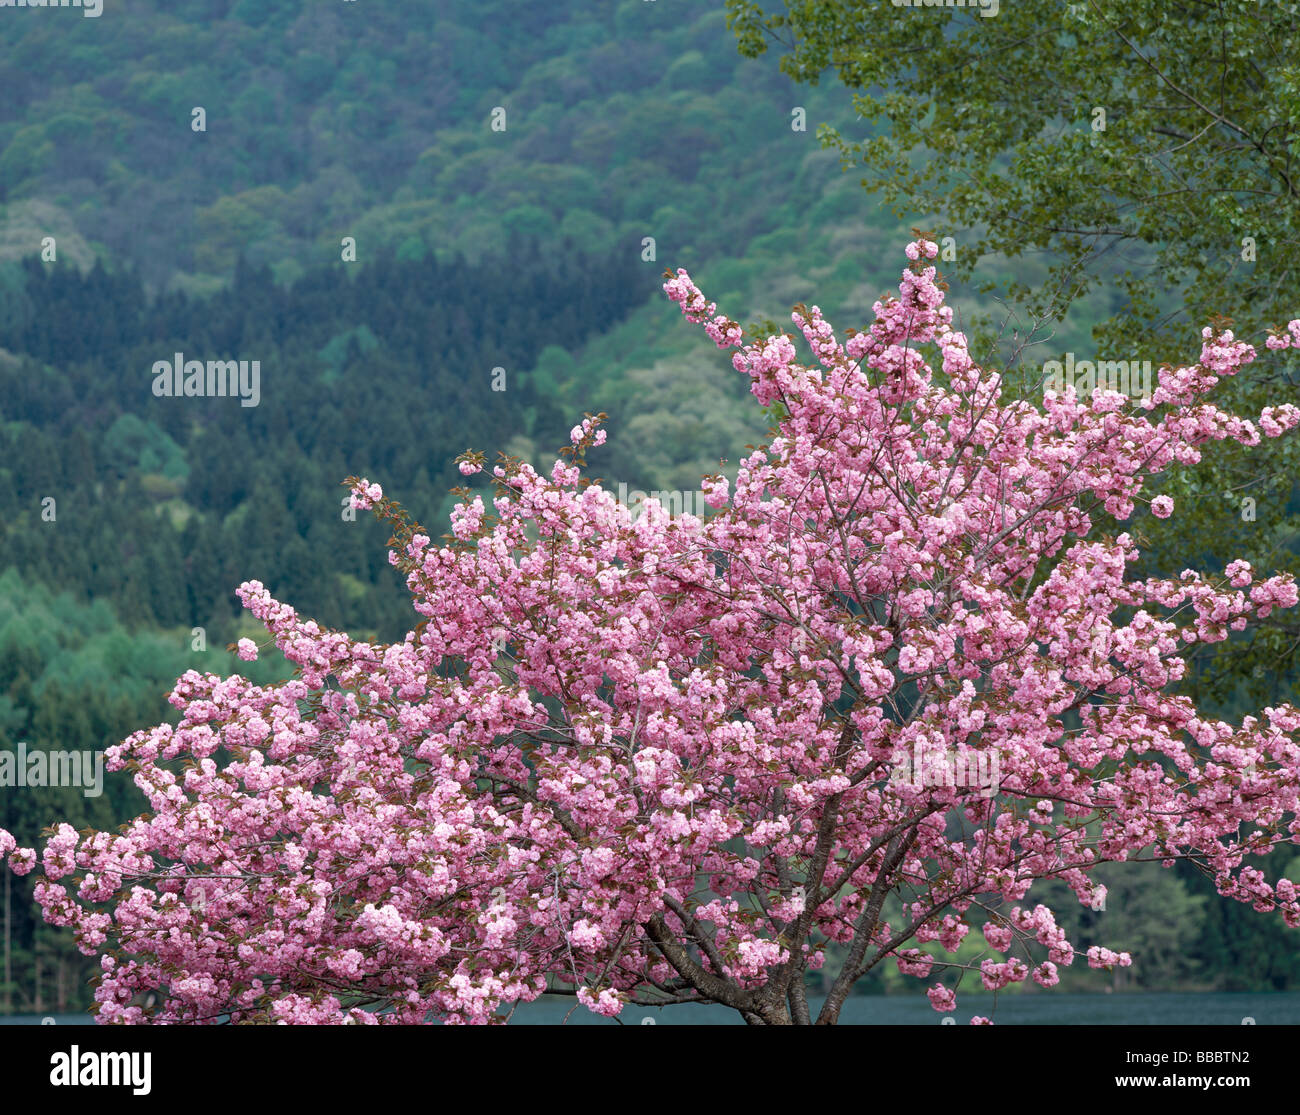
[(1044, 1009)]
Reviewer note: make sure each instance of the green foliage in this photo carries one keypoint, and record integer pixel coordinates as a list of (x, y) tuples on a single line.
[(130, 443)]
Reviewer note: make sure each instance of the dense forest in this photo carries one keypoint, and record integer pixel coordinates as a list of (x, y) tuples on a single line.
[(621, 120), (162, 505)]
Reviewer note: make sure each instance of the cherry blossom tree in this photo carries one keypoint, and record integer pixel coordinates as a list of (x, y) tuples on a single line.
[(679, 760)]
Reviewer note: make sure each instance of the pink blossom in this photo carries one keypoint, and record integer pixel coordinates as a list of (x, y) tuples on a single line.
[(942, 998)]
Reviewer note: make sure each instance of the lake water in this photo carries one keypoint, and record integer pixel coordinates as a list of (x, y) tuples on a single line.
[(1046, 1009)]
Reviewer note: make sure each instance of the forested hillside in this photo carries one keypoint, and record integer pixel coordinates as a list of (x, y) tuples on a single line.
[(620, 121)]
